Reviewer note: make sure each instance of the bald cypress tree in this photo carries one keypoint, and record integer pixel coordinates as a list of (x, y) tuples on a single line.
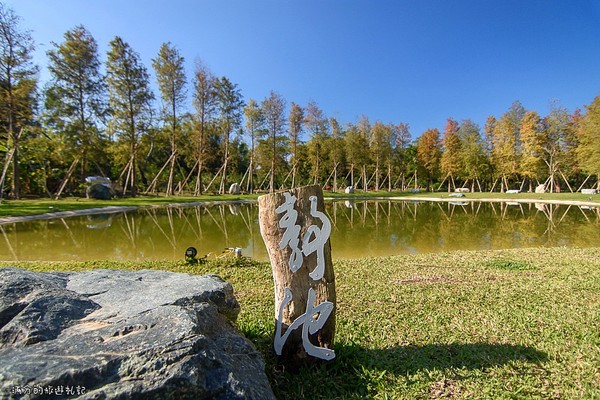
[(588, 151), (76, 98), (531, 148), (273, 108), (429, 153), (229, 105), (316, 123), (295, 128), (254, 128), (17, 88), (204, 100), (473, 156), (450, 160), (170, 75), (505, 138), (130, 100), (380, 146)]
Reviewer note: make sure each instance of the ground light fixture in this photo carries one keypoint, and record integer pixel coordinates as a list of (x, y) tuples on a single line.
[(190, 254)]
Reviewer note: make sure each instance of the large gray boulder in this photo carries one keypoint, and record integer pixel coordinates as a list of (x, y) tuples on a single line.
[(110, 334)]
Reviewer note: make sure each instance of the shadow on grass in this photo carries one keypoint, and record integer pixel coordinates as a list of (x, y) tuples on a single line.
[(358, 371)]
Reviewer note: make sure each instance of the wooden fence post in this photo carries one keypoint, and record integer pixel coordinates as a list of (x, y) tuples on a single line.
[(296, 232)]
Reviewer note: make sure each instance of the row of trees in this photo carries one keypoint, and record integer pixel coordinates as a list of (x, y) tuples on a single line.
[(520, 147), (100, 119)]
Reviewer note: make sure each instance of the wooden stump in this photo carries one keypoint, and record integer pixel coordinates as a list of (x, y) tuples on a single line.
[(296, 231)]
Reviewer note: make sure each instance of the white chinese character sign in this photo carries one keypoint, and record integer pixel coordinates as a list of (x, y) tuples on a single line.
[(296, 232)]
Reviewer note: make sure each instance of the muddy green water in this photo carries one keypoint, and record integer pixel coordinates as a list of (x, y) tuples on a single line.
[(359, 229)]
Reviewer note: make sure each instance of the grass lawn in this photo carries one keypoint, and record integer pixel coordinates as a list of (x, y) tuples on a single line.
[(488, 324), (40, 206)]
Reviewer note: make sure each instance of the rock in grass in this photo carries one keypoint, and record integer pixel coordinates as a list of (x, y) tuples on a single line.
[(125, 334), (100, 191)]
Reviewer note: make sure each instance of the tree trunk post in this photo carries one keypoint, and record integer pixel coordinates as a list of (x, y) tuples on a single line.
[(296, 232)]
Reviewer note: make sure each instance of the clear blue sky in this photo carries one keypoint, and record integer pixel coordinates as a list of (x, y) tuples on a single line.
[(415, 61)]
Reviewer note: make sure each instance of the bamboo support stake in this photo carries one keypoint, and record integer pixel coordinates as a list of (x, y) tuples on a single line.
[(566, 181), (581, 187), (215, 177), (152, 185), (67, 177)]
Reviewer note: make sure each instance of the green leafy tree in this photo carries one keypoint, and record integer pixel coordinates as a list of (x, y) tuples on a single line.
[(273, 109), (230, 107), (588, 151), (170, 75), (75, 98), (17, 88), (130, 101), (429, 152)]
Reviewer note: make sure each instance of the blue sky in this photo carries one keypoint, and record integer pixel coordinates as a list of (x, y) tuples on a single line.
[(414, 61)]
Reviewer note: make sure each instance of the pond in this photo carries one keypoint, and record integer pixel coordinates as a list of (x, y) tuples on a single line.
[(359, 229)]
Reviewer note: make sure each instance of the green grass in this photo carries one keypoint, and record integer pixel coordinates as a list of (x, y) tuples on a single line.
[(41, 206), (514, 324)]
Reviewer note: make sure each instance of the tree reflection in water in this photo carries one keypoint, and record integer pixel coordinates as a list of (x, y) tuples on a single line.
[(359, 229)]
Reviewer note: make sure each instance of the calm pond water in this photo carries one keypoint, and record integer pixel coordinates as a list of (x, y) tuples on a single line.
[(359, 229)]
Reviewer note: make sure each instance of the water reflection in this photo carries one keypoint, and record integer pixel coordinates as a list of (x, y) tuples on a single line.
[(359, 228)]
